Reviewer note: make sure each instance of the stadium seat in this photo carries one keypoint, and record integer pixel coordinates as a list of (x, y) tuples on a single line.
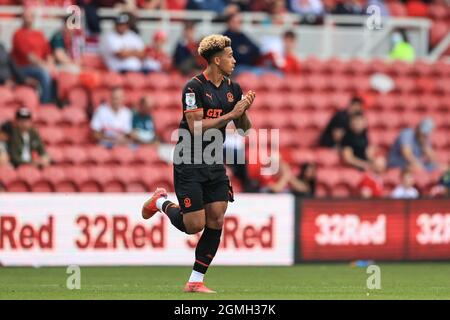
[(93, 61), (397, 9), (356, 67), (100, 96), (271, 82), (7, 175), (26, 96), (52, 135), (122, 155), (49, 115), (327, 158), (28, 175), (135, 81), (111, 79), (6, 95), (146, 155), (98, 154), (73, 116), (78, 97), (439, 30), (334, 66), (75, 155), (77, 135), (438, 12), (295, 83), (66, 81), (248, 81), (7, 114), (158, 81)]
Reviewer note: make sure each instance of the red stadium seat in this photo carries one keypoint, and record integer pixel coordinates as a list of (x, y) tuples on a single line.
[(439, 30), (56, 154), (147, 155), (93, 61), (112, 79), (122, 155), (77, 175), (397, 9), (75, 155), (100, 96), (158, 81), (271, 82), (248, 81), (7, 114), (49, 115), (78, 97), (28, 174), (66, 81), (98, 154), (135, 81), (6, 95), (316, 82), (52, 135), (356, 67), (27, 97), (77, 135), (438, 12), (334, 65), (74, 116), (295, 83), (7, 175), (53, 175), (327, 157)]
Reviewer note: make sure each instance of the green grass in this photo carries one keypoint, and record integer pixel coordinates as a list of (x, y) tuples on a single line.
[(307, 281)]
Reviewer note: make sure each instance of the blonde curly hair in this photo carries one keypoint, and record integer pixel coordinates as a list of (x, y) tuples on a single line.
[(213, 44)]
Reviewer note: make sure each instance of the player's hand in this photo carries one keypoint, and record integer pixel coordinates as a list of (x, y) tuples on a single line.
[(250, 97), (239, 109)]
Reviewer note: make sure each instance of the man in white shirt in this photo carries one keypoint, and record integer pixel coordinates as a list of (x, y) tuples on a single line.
[(112, 124), (123, 49), (406, 188)]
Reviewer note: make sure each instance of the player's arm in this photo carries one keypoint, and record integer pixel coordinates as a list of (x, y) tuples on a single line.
[(350, 158), (217, 123)]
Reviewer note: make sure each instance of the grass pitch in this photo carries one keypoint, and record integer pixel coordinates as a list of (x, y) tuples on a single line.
[(307, 281)]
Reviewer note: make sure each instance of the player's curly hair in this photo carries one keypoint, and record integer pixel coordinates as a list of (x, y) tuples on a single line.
[(212, 44)]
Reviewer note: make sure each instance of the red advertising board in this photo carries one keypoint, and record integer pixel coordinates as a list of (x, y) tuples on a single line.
[(343, 230), (429, 230)]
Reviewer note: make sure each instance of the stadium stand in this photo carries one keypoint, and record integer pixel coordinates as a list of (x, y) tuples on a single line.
[(300, 106)]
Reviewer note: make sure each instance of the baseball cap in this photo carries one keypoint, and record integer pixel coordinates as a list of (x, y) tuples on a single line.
[(426, 126), (122, 18), (23, 113)]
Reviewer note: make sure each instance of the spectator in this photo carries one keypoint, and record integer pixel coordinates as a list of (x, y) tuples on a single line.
[(91, 15), (304, 185), (9, 72), (338, 125), (31, 52), (401, 48), (348, 7), (4, 158), (245, 51), (112, 123), (143, 126), (267, 180), (406, 188), (152, 4), (185, 57), (24, 142), (371, 184), (122, 48), (155, 57), (217, 6), (412, 148), (355, 144), (286, 60), (67, 46), (307, 7)]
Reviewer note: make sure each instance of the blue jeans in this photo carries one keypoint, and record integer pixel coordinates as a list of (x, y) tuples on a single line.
[(44, 79)]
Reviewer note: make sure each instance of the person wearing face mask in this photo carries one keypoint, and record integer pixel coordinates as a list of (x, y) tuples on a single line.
[(401, 48)]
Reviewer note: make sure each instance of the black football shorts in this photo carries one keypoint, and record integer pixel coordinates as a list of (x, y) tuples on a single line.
[(197, 186)]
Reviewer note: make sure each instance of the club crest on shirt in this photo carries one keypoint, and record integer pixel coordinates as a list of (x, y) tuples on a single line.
[(230, 97), (190, 100)]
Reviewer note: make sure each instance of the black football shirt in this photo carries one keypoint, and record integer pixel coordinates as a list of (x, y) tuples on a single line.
[(201, 95)]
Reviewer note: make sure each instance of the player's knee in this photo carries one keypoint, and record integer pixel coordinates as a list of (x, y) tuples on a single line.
[(215, 223), (195, 227)]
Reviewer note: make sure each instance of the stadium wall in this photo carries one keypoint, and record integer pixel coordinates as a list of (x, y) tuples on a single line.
[(259, 229)]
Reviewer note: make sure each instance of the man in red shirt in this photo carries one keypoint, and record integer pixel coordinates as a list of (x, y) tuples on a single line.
[(31, 52)]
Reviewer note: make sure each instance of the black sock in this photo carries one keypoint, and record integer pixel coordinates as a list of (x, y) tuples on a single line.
[(174, 213), (206, 249)]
